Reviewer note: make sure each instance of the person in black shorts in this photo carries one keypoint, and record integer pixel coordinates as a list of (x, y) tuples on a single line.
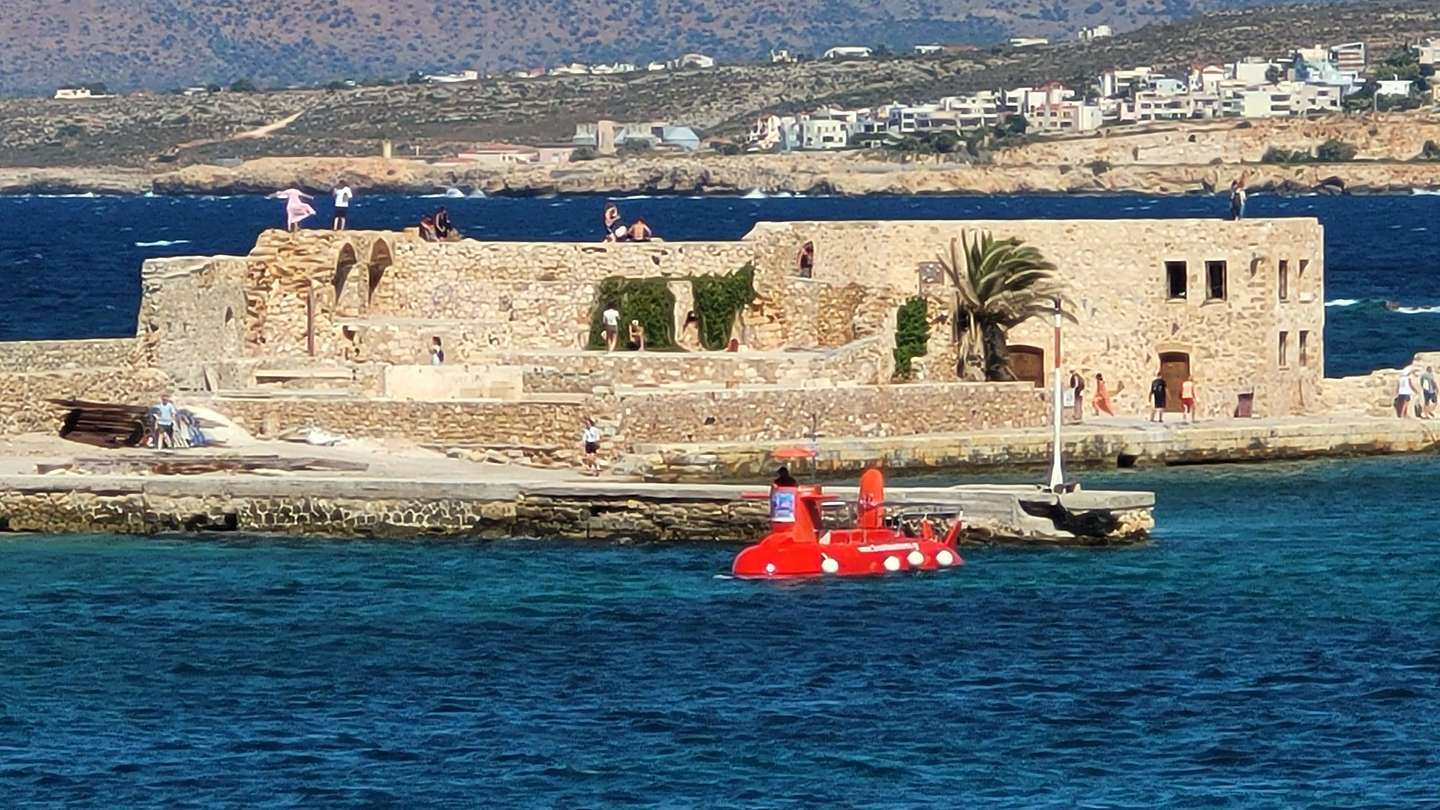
[(1157, 398)]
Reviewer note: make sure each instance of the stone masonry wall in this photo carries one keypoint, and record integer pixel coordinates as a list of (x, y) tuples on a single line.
[(475, 422), (192, 316), (23, 405), (25, 356), (1117, 280), (852, 411)]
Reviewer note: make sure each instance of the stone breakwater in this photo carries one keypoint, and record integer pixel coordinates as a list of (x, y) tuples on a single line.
[(467, 509)]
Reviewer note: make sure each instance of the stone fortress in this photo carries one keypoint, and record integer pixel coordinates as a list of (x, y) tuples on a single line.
[(332, 330)]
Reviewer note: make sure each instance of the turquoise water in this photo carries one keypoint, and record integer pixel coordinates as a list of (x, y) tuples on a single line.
[(1277, 646)]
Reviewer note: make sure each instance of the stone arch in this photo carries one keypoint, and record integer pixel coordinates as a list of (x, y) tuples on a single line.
[(381, 258), (345, 261)]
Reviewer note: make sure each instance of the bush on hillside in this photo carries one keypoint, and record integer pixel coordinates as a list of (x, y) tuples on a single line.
[(1335, 151)]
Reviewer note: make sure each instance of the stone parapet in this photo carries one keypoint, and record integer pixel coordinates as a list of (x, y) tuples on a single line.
[(540, 423), (792, 413), (25, 356)]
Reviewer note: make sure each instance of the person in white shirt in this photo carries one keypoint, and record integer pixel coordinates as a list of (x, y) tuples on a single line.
[(610, 319), (165, 423), (437, 352), (343, 194), (590, 438), (1404, 391)]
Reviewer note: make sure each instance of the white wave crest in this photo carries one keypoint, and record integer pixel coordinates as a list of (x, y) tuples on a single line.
[(1342, 302), (163, 243)]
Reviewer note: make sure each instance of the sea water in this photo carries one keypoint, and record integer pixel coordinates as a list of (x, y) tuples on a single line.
[(70, 265), (1276, 645)]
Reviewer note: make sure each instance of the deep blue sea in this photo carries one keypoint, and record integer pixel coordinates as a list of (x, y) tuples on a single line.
[(1278, 645), (70, 265)]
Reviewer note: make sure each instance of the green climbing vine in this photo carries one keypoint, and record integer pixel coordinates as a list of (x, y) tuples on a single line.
[(912, 335), (647, 300), (718, 299)]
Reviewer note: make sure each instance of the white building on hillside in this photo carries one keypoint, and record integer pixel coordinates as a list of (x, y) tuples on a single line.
[(1349, 56), (693, 60), (1094, 32), (823, 133), (1028, 42), (927, 50), (1065, 116), (79, 94), (1393, 86), (454, 78), (849, 52)]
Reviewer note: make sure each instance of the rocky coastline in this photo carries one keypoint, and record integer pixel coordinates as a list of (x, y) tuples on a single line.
[(768, 174)]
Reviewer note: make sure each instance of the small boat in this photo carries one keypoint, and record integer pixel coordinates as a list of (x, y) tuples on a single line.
[(801, 545)]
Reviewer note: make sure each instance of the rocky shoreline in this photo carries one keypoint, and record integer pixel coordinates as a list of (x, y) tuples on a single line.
[(769, 174)]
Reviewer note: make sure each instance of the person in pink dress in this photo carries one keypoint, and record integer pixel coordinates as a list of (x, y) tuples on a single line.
[(297, 207)]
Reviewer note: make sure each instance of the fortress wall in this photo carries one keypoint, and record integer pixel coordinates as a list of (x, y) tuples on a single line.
[(1117, 281), (23, 356), (459, 422), (33, 372), (23, 396), (192, 318), (786, 413)]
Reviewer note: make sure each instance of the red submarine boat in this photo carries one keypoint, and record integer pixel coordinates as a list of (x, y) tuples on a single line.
[(799, 544)]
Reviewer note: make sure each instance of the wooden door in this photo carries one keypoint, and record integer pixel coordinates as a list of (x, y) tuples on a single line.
[(1028, 364), (1174, 369)]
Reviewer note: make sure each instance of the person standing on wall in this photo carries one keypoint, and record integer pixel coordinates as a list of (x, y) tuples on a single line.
[(1429, 391), (165, 423), (297, 207), (343, 195), (1077, 396), (590, 441), (1187, 398), (1157, 398), (610, 320)]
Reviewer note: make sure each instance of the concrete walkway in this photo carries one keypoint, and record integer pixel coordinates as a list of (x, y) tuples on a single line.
[(1108, 442)]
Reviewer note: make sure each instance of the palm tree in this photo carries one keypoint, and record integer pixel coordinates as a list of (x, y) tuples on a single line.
[(998, 286)]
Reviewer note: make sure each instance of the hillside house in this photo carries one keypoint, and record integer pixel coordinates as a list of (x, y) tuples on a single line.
[(849, 52)]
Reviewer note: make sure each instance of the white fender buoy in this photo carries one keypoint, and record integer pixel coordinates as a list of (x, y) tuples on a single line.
[(915, 558), (769, 568), (892, 563), (830, 565), (945, 557)]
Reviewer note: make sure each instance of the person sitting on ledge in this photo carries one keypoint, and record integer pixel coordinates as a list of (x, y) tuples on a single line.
[(427, 229), (444, 229), (639, 232), (637, 335), (611, 220)]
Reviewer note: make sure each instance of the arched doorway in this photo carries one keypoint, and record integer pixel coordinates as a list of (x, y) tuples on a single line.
[(1174, 370), (345, 261), (380, 258), (1028, 364)]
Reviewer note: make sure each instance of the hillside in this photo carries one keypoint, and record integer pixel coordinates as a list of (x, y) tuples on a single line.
[(158, 44), (165, 131)]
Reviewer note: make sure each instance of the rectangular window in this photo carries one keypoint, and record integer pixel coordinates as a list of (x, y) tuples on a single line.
[(1175, 273), (1304, 265), (1215, 281), (1284, 349), (1284, 280), (1304, 347)]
